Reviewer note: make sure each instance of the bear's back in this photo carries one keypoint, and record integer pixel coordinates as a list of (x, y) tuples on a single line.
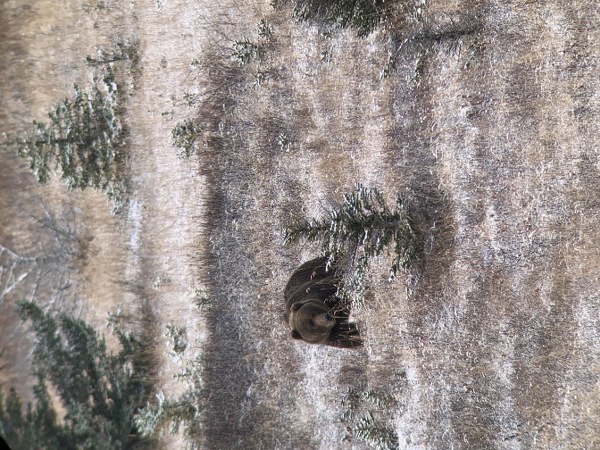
[(311, 280)]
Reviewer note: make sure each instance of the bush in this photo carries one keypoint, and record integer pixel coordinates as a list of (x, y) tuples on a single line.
[(184, 410), (183, 136), (246, 51)]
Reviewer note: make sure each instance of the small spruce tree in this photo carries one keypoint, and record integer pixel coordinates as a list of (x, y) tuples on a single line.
[(33, 428), (362, 227), (83, 139), (366, 416), (376, 433)]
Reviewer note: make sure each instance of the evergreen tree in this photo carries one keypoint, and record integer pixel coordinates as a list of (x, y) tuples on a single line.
[(82, 139), (98, 390), (378, 434), (360, 15), (362, 227), (35, 428)]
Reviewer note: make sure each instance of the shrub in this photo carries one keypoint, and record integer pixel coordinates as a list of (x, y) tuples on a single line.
[(177, 337), (201, 299), (246, 51), (185, 409), (184, 135)]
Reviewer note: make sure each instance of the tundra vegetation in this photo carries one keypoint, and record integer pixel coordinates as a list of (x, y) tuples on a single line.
[(275, 114)]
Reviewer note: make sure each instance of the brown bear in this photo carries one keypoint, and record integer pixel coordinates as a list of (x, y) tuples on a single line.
[(314, 313)]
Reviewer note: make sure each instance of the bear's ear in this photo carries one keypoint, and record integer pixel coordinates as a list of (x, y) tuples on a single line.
[(296, 335), (296, 306)]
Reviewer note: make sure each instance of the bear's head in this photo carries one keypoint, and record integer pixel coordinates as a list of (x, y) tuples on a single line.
[(311, 321)]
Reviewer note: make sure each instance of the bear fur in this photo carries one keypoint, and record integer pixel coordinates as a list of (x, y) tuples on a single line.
[(314, 313)]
